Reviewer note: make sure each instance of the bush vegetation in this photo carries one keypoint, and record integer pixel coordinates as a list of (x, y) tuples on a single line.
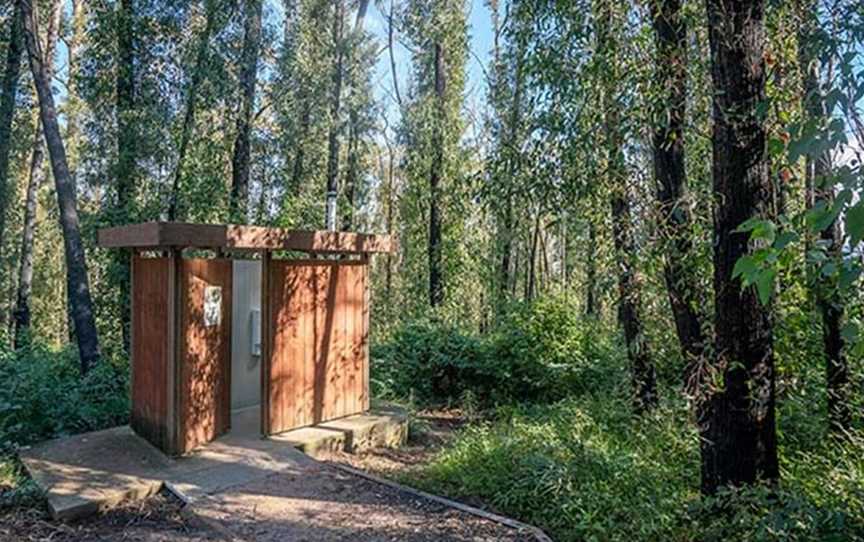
[(574, 441), (44, 396)]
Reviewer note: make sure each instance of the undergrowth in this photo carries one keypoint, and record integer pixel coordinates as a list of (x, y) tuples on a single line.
[(43, 396), (559, 446)]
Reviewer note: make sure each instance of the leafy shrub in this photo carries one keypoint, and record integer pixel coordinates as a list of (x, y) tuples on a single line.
[(586, 469), (428, 361), (541, 351), (43, 395)]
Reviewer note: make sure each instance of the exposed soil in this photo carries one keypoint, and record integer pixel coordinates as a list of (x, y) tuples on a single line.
[(318, 502), (157, 519), (430, 431), (325, 503)]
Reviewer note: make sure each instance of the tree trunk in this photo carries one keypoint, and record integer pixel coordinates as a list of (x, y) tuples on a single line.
[(335, 112), (390, 39), (436, 288), (739, 444), (240, 163), (73, 102), (14, 51), (669, 171), (591, 305), (531, 282), (644, 380), (126, 176), (22, 316), (78, 285), (175, 212), (353, 171), (821, 191)]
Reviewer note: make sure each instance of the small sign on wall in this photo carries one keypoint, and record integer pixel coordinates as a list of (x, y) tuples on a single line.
[(212, 306)]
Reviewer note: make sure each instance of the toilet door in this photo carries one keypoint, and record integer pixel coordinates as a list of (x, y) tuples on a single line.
[(205, 342), (318, 366)]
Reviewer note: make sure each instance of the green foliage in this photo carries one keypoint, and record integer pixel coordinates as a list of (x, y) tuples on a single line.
[(44, 396), (541, 351), (615, 477)]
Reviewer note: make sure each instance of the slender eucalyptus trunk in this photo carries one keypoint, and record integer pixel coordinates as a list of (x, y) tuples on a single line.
[(670, 36), (436, 287), (22, 315), (591, 305), (240, 163), (739, 444), (820, 191), (335, 112), (78, 286), (643, 376), (14, 52), (531, 282), (354, 132), (175, 211), (126, 177)]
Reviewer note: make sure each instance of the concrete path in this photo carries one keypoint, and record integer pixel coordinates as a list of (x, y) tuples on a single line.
[(86, 473), (251, 489)]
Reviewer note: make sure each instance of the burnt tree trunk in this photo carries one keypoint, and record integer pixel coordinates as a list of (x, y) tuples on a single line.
[(820, 191), (335, 113), (175, 211), (643, 375), (240, 163), (591, 305), (669, 171), (353, 170), (126, 174), (436, 287), (739, 444), (14, 52), (21, 315), (78, 285)]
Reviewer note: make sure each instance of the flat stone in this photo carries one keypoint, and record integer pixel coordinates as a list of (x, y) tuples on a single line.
[(313, 441), (94, 471), (85, 473)]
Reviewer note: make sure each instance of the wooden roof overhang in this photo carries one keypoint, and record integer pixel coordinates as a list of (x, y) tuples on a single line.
[(179, 235)]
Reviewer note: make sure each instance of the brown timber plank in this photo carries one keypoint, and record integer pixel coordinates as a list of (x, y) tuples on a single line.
[(204, 397), (178, 234), (150, 350)]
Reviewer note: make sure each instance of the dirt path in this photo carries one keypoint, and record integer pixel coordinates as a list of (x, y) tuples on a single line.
[(314, 501), (324, 503), (158, 519)]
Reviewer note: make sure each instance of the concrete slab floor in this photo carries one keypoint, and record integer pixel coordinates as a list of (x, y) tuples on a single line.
[(86, 473)]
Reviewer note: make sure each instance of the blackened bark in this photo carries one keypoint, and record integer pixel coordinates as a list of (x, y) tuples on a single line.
[(591, 304), (643, 375), (175, 211), (21, 315), (335, 112), (531, 279), (14, 52), (78, 285), (675, 222), (513, 153), (126, 176), (820, 191), (353, 170), (390, 39), (240, 162), (739, 441), (436, 287)]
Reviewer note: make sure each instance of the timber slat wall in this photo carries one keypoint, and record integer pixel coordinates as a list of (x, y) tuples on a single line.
[(318, 342), (205, 401), (150, 349)]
